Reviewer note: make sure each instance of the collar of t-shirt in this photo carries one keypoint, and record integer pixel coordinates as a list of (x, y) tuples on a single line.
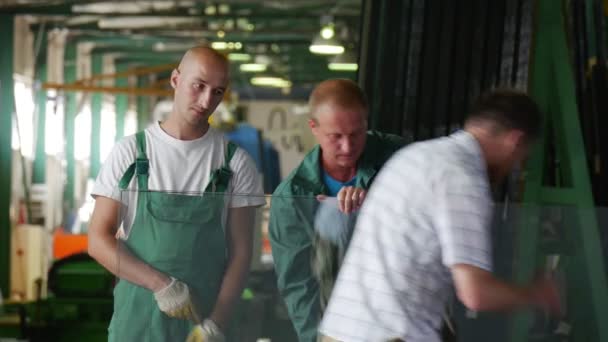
[(184, 145), (333, 185)]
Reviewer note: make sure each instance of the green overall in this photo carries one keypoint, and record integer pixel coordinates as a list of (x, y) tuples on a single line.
[(180, 235)]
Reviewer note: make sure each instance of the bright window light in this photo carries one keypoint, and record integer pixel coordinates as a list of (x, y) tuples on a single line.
[(130, 122), (107, 130), (82, 134), (24, 106), (53, 144)]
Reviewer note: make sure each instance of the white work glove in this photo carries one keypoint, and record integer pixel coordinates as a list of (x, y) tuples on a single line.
[(175, 300), (206, 332)]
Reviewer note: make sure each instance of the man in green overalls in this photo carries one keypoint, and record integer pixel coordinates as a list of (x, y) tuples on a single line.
[(343, 165), (185, 242)]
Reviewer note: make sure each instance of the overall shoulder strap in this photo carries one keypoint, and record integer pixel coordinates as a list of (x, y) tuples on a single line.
[(140, 167)]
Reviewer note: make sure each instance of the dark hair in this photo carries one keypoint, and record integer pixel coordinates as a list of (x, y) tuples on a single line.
[(507, 109)]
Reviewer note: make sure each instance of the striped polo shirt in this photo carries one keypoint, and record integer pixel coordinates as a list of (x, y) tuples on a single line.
[(429, 208)]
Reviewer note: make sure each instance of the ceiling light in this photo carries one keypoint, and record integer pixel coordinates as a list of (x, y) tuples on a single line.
[(136, 22), (219, 45), (221, 34), (210, 10), (172, 47), (343, 62), (250, 27), (238, 45), (239, 57), (323, 46), (270, 81), (343, 66), (252, 67), (327, 32), (224, 9)]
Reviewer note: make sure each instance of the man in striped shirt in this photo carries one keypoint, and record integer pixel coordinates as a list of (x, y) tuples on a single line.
[(424, 230)]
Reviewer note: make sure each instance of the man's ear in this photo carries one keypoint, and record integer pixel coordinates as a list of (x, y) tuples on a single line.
[(173, 79), (516, 139), (312, 123)]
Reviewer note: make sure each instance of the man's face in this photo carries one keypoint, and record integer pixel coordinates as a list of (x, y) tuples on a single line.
[(199, 88), (512, 149), (341, 132)]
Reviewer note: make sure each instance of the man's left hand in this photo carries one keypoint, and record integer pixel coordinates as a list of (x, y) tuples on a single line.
[(350, 199), (208, 331)]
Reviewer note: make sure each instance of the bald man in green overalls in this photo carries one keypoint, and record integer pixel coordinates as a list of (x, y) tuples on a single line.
[(185, 244)]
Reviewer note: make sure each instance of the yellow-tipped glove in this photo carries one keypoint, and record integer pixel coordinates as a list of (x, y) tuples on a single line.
[(175, 300), (208, 331)]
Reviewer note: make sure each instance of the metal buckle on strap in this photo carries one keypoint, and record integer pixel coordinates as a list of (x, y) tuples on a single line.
[(142, 166)]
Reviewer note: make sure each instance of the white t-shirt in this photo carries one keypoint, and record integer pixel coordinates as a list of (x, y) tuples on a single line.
[(178, 166), (429, 208)]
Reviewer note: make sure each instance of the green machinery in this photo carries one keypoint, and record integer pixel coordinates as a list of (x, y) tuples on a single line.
[(80, 305), (557, 185)]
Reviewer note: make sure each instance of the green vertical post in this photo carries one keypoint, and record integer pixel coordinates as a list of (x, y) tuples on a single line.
[(39, 172), (69, 76), (7, 105), (121, 102), (143, 110), (96, 103), (590, 29)]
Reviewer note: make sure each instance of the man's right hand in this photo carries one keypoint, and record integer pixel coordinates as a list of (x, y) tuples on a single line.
[(350, 199), (544, 294), (175, 300)]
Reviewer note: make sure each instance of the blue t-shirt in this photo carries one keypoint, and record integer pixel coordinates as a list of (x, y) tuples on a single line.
[(333, 185)]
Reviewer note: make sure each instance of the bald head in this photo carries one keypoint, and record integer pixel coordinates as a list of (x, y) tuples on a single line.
[(200, 82), (337, 93), (201, 54)]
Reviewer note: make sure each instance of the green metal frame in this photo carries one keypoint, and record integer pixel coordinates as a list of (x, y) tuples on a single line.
[(143, 104), (39, 172), (7, 105), (96, 105), (121, 101), (70, 117), (552, 86)]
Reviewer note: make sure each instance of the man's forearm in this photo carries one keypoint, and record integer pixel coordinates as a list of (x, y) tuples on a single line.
[(232, 287), (114, 256), (479, 290)]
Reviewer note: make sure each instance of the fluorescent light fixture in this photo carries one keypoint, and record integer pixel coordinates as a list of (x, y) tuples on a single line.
[(343, 66), (323, 46), (172, 47), (135, 22), (132, 7), (252, 67), (239, 57), (326, 49), (227, 45), (343, 62), (270, 81), (219, 45)]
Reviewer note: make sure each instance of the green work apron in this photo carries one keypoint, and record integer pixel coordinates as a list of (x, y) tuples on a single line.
[(180, 235)]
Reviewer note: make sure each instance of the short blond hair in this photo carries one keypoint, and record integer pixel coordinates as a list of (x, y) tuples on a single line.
[(339, 92)]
